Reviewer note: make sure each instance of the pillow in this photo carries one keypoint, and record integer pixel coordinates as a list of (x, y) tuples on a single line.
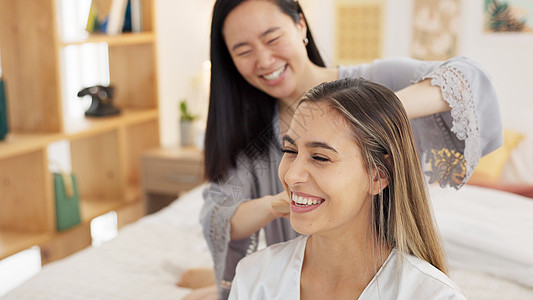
[(486, 230), (519, 167), (490, 166)]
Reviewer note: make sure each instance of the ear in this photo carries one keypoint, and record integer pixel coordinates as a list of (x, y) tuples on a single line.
[(380, 180), (302, 28)]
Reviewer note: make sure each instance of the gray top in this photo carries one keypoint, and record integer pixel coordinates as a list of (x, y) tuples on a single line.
[(449, 144)]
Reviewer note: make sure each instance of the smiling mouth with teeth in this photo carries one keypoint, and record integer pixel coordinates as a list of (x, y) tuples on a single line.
[(305, 201), (276, 74)]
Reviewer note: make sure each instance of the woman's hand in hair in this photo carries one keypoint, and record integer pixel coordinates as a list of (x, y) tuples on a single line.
[(280, 205), (253, 215)]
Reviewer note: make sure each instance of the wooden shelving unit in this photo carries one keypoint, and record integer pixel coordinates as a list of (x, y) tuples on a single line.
[(123, 39), (104, 152)]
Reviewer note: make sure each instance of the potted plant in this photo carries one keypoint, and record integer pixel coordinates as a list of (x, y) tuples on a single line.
[(186, 124)]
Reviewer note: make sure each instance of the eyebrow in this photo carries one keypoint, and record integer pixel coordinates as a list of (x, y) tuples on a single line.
[(270, 30), (311, 144)]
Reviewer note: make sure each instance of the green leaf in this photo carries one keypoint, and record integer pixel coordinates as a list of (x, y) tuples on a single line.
[(184, 111)]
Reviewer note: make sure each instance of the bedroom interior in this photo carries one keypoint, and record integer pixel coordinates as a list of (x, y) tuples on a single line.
[(486, 231)]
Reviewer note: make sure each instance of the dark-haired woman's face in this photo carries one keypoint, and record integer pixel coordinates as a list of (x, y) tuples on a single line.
[(267, 48)]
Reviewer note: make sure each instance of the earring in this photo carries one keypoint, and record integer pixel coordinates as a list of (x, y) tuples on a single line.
[(306, 41)]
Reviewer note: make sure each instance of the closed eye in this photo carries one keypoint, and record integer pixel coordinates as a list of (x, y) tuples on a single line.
[(273, 40), (289, 151), (244, 53), (320, 158)]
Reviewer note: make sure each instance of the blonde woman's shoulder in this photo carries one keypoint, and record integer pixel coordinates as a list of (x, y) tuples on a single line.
[(415, 279), (427, 282)]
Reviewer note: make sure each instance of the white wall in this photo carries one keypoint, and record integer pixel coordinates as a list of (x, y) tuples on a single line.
[(183, 33), (321, 14), (508, 58), (183, 28)]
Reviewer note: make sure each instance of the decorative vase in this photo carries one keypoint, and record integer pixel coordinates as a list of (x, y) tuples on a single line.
[(186, 133)]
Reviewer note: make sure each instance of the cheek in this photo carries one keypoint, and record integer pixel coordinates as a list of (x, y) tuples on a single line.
[(349, 204), (243, 65), (282, 170), (291, 51), (353, 190)]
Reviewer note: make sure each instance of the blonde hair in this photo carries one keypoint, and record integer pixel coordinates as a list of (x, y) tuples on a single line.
[(401, 212)]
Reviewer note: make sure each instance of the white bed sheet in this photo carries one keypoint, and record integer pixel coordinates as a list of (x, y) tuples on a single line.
[(144, 261), (486, 230), (148, 257)]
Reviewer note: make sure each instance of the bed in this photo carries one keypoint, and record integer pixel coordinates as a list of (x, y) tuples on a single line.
[(147, 258), (487, 233), (144, 261)]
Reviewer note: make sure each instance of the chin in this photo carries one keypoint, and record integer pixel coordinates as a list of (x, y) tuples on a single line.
[(280, 92), (300, 227)]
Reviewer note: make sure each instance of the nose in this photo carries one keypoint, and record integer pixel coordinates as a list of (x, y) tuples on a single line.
[(265, 58), (296, 172)]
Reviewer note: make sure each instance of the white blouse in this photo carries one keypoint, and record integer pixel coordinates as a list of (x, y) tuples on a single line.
[(274, 273)]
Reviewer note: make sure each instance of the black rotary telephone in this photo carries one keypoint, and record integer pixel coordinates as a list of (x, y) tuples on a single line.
[(101, 104)]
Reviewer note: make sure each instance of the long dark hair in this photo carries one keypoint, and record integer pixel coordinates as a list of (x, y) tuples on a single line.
[(239, 114)]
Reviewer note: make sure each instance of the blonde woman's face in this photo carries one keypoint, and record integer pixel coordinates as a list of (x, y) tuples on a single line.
[(267, 48), (323, 172)]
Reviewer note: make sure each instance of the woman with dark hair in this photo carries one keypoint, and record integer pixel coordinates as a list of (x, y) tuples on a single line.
[(358, 197), (263, 60)]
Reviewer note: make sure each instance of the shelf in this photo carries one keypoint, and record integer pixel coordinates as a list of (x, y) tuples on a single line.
[(84, 127), (137, 146), (114, 40), (132, 194), (103, 152), (12, 242), (21, 143), (92, 208)]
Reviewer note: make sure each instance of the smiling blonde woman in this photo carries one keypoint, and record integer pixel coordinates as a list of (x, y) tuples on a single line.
[(359, 200)]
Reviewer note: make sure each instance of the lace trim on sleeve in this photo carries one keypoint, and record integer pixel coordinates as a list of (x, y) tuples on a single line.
[(219, 237), (457, 92)]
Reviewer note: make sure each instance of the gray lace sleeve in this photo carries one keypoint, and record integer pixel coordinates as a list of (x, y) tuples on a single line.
[(471, 129), (449, 144), (221, 199)]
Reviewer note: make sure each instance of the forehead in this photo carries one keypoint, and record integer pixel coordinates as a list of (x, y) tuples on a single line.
[(312, 121), (253, 17)]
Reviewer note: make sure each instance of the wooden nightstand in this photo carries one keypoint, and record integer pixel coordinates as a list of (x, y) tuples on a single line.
[(167, 172)]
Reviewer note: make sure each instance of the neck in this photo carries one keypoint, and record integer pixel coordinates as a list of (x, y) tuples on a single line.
[(316, 76), (287, 106), (343, 257), (341, 263)]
